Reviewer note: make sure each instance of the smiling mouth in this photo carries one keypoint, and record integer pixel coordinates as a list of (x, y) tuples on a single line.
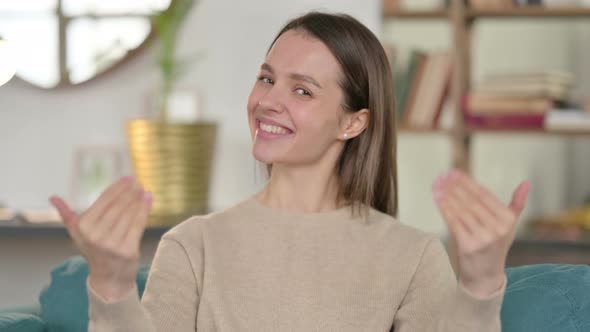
[(271, 130)]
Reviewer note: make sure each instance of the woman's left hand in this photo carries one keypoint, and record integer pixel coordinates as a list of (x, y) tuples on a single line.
[(482, 228)]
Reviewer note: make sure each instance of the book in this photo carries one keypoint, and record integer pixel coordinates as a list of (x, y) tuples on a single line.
[(413, 87), (504, 121), (567, 120), (547, 84), (512, 120), (431, 92), (548, 77), (528, 2), (530, 90), (485, 104), (407, 80)]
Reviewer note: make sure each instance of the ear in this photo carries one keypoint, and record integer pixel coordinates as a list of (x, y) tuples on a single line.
[(354, 124)]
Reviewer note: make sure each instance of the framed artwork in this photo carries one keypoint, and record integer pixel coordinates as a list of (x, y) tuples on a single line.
[(94, 169)]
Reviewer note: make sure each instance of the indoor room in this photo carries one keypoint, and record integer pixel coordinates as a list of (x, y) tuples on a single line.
[(176, 149)]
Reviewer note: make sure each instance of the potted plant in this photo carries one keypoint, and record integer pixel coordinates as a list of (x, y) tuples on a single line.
[(172, 159)]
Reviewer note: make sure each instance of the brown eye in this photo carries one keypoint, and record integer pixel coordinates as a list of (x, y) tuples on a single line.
[(265, 79), (303, 92)]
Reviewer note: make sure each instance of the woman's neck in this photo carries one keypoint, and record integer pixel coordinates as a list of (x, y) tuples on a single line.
[(301, 189)]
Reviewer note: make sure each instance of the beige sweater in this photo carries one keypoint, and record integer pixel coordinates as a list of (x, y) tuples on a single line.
[(252, 268)]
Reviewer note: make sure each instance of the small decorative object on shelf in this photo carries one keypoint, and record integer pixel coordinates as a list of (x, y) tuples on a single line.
[(524, 3), (569, 225), (6, 214)]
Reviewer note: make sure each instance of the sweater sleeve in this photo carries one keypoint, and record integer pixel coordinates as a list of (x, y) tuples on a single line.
[(436, 302), (169, 302)]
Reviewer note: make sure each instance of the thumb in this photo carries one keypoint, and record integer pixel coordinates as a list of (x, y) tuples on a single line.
[(69, 217), (519, 197)]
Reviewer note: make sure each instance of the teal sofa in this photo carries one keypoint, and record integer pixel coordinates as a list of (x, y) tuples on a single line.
[(539, 298), (63, 304)]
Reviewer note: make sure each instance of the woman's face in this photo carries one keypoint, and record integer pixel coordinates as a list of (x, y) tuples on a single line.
[(295, 105)]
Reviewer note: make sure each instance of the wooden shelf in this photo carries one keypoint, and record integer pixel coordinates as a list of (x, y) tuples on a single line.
[(18, 228), (527, 12), (519, 12), (418, 14), (405, 130), (528, 250)]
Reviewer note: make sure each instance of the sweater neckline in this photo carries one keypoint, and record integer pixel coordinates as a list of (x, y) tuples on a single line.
[(338, 213)]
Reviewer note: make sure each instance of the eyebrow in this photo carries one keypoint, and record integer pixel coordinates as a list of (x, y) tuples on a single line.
[(295, 76)]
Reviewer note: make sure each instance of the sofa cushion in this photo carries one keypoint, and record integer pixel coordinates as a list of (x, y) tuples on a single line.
[(64, 303), (547, 297), (21, 322)]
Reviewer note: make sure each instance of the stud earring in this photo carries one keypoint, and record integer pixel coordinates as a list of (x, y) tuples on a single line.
[(345, 135)]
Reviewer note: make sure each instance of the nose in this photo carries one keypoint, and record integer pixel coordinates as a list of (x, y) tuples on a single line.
[(271, 102)]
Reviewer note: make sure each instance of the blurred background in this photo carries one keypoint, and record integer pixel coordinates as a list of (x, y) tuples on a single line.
[(158, 89)]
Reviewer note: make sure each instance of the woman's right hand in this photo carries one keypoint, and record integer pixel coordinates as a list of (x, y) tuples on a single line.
[(108, 235)]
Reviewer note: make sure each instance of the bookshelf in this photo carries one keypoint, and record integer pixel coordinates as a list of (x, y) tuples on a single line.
[(461, 19)]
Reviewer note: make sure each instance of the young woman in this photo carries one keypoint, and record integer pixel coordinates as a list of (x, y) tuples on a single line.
[(319, 248)]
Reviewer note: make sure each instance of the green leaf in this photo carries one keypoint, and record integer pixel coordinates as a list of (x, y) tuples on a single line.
[(167, 25)]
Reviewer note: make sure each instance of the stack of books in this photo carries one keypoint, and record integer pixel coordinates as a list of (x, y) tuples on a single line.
[(516, 101), (568, 120), (422, 89)]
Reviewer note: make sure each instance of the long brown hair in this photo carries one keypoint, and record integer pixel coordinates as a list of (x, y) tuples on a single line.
[(367, 167)]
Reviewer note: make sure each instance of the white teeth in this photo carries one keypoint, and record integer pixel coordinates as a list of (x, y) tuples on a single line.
[(272, 129)]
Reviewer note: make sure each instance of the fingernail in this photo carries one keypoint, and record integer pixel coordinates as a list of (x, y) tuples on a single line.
[(453, 174), (147, 196), (129, 179), (437, 193), (436, 182), (440, 181)]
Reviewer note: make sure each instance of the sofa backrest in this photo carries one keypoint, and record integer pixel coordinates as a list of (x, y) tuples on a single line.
[(547, 298), (539, 298), (64, 302)]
